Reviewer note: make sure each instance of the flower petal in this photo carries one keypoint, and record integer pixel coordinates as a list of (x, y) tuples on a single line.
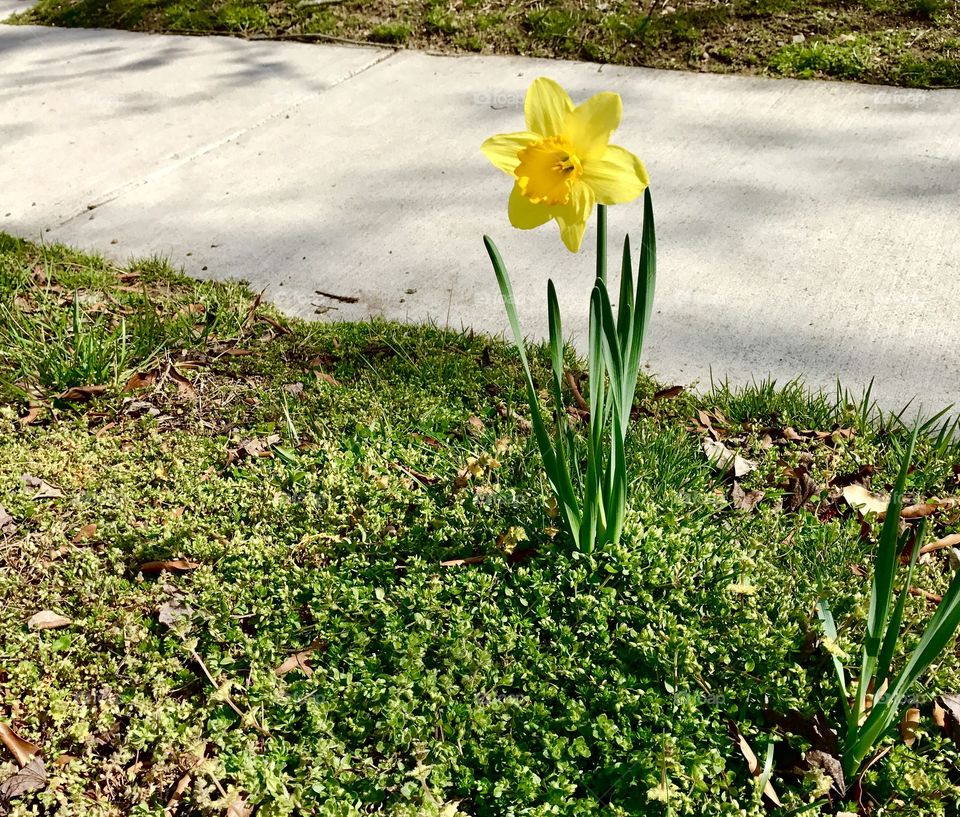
[(617, 177), (573, 216), (588, 126), (546, 105), (503, 149), (524, 214)]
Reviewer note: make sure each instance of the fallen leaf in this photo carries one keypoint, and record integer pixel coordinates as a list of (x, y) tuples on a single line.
[(254, 447), (81, 394), (326, 378), (863, 473), (953, 540), (522, 422), (44, 490), (865, 502), (279, 327), (946, 714), (582, 404), (933, 598), (752, 763), (466, 560), (800, 488), (239, 807), (32, 777), (939, 715), (142, 380), (908, 726), (33, 412), (22, 750), (190, 309), (668, 393), (922, 509), (86, 532), (745, 500), (48, 620), (829, 764), (184, 386), (7, 523), (816, 730), (234, 351), (300, 660), (168, 565), (726, 460), (170, 612), (252, 312)]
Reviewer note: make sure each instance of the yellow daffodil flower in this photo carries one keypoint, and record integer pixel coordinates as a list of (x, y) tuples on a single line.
[(563, 163)]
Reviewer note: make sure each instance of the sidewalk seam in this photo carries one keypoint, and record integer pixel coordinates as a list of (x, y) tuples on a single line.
[(119, 192)]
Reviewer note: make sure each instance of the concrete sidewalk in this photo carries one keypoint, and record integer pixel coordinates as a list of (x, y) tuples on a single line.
[(804, 228)]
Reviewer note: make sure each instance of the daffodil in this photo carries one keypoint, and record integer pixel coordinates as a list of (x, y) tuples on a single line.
[(564, 164)]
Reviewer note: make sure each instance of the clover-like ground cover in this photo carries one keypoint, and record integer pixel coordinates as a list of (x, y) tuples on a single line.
[(306, 651), (913, 43)]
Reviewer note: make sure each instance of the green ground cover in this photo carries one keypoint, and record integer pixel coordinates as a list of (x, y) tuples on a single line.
[(913, 43), (364, 606)]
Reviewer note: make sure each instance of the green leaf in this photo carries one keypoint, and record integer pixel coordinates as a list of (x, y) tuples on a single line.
[(555, 466)]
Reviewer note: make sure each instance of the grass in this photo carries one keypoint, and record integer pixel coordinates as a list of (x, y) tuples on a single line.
[(315, 477), (914, 43)]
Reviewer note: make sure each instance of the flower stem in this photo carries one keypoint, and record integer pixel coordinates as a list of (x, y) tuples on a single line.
[(602, 242)]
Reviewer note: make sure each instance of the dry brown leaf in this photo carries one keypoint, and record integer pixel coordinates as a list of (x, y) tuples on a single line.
[(920, 510), (327, 378), (239, 807), (466, 560), (953, 540), (86, 532), (48, 620), (908, 726), (184, 386), (582, 404), (752, 763), (81, 394), (22, 750), (933, 598), (190, 309), (43, 489), (865, 502), (727, 461), (745, 500), (300, 660), (32, 777), (33, 412), (168, 565), (522, 422), (254, 447), (7, 523), (142, 380), (170, 612), (668, 393), (277, 326), (829, 764)]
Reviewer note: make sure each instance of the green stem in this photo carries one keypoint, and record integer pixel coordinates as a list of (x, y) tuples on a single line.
[(602, 242)]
